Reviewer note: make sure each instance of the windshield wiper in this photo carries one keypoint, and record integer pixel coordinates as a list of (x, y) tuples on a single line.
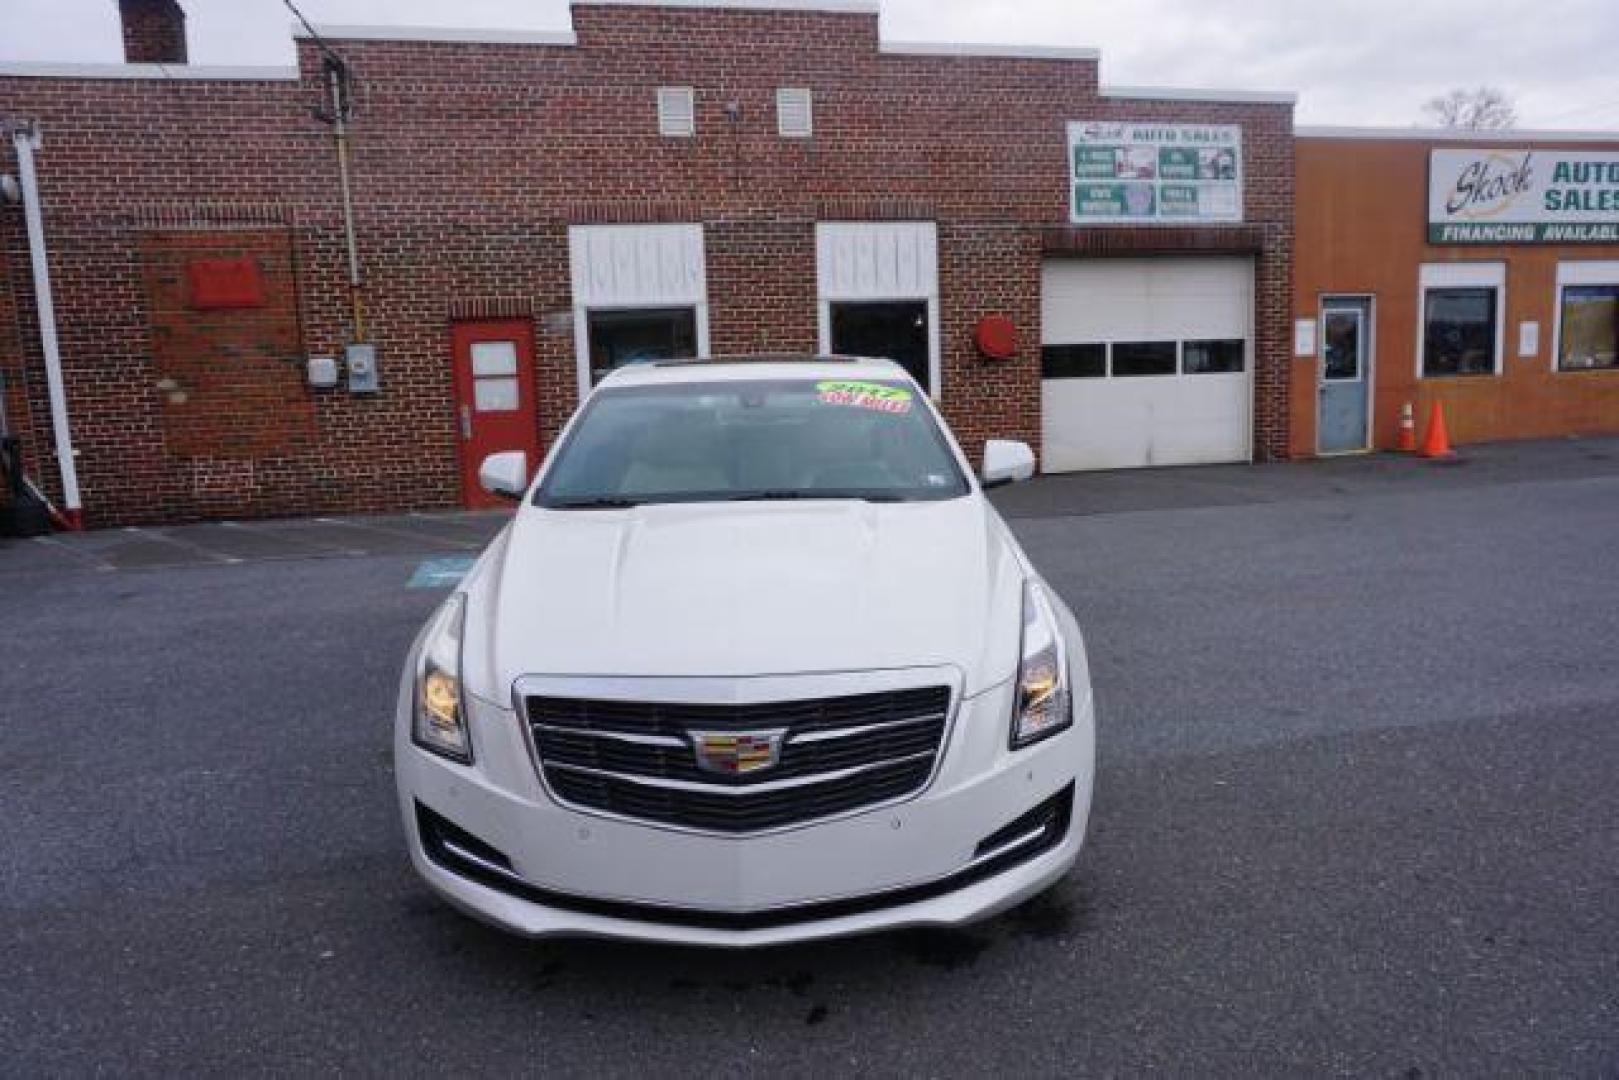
[(775, 496), (790, 495), (603, 503)]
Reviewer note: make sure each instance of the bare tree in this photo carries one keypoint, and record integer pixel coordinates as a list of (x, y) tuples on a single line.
[(1482, 109)]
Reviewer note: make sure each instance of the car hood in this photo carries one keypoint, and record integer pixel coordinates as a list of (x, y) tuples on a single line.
[(738, 590)]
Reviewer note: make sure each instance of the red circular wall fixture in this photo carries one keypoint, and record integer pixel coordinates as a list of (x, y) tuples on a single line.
[(996, 336)]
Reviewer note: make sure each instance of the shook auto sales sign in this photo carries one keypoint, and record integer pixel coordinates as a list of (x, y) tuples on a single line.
[(1500, 196), (1153, 172)]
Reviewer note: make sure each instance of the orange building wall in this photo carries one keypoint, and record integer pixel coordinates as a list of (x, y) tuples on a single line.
[(1361, 228)]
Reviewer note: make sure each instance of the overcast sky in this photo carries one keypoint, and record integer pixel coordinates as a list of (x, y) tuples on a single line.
[(1352, 61)]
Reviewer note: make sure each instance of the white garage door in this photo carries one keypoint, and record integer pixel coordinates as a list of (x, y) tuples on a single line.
[(1146, 362)]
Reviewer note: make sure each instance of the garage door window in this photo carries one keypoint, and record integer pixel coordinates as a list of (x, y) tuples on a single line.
[(1459, 332), (1133, 358), (1589, 331), (1073, 361), (1213, 357)]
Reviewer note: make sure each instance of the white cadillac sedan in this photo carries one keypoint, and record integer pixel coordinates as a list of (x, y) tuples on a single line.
[(755, 662)]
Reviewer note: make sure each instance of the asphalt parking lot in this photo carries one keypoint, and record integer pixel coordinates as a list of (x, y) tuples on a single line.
[(1356, 808)]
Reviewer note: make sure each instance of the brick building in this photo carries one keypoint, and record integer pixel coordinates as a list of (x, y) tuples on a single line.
[(531, 209), (1479, 270)]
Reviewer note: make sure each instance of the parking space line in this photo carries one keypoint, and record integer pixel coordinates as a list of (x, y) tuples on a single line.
[(461, 524), (94, 560), (289, 535), (441, 573), (400, 534), (167, 537)]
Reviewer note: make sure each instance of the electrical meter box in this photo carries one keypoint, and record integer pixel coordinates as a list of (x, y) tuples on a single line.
[(322, 372), (362, 365)]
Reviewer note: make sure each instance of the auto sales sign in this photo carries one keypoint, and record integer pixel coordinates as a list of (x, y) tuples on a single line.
[(1502, 196)]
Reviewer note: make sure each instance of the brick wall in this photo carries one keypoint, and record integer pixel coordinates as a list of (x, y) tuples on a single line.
[(470, 162), (22, 386), (13, 399)]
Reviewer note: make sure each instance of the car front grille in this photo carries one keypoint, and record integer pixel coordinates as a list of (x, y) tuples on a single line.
[(640, 759)]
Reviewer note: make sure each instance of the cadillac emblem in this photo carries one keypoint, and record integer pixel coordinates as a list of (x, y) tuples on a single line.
[(737, 753)]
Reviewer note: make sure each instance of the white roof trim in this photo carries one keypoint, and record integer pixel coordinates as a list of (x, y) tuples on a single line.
[(1419, 134), (1174, 93), (187, 72), (341, 32), (954, 48), (836, 7)]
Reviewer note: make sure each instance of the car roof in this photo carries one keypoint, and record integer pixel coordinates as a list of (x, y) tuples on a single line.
[(746, 368)]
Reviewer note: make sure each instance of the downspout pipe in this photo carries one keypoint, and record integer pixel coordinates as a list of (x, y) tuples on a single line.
[(26, 139)]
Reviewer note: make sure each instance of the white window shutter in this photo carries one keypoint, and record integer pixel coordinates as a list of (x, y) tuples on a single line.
[(677, 112), (795, 118)]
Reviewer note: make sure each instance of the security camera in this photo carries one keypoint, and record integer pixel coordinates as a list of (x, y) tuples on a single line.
[(10, 190)]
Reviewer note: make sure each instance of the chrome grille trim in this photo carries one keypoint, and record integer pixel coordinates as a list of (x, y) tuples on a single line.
[(1016, 844), (669, 741), (845, 733), (624, 748), (739, 790)]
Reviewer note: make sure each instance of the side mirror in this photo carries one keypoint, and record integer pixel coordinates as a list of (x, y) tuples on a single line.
[(505, 474), (1006, 462)]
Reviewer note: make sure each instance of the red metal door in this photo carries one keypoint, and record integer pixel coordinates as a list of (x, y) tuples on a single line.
[(494, 399)]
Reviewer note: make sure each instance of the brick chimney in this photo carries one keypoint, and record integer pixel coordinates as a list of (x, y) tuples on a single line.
[(154, 31)]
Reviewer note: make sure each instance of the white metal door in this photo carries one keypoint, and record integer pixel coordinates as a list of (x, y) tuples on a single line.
[(1167, 377)]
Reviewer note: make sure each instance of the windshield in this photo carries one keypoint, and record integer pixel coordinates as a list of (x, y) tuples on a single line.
[(776, 439)]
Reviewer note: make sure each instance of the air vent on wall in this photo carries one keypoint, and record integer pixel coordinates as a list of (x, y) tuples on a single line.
[(677, 112), (794, 114)]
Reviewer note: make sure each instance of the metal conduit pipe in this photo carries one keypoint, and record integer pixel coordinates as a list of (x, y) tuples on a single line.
[(25, 137), (336, 79)]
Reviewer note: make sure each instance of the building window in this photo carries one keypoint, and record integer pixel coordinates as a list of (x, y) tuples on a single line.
[(677, 112), (1132, 358), (640, 336), (1214, 357), (877, 286), (1460, 331), (1588, 328), (894, 330), (1073, 361), (640, 293), (495, 385), (1219, 356), (795, 115)]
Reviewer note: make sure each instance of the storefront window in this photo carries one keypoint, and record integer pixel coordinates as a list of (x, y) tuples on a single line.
[(889, 330), (1589, 332), (1073, 361), (1459, 332), (1144, 358), (1213, 357), (639, 336)]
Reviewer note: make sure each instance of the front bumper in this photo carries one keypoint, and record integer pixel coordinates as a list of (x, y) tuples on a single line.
[(538, 868)]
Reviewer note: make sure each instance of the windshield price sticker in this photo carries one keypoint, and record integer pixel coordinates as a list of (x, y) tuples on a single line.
[(865, 395)]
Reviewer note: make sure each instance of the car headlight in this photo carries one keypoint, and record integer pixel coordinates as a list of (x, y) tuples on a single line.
[(441, 721), (1041, 708)]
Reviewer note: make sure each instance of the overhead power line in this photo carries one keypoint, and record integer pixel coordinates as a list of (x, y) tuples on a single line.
[(320, 42)]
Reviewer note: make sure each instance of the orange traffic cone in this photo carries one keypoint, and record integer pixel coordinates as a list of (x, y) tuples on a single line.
[(1437, 442), (1407, 443)]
